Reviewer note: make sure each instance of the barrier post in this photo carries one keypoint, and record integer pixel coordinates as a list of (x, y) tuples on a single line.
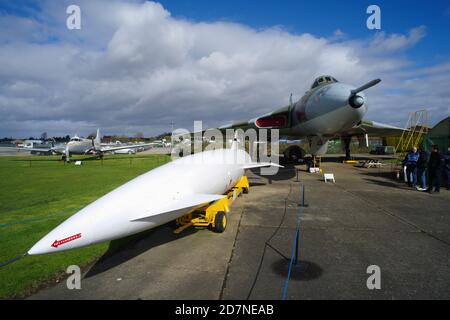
[(296, 247), (293, 261), (303, 195)]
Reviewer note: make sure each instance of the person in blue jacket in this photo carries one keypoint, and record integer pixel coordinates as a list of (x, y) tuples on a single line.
[(422, 165), (411, 166)]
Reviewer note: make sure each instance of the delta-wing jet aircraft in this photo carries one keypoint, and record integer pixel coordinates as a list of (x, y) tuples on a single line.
[(329, 110), (78, 145)]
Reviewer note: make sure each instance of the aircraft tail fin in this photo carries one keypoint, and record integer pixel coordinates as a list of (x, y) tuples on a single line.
[(98, 137), (235, 143)]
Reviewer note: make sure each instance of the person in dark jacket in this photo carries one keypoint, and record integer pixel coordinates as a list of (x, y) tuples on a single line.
[(422, 165), (411, 166), (447, 167), (435, 166)]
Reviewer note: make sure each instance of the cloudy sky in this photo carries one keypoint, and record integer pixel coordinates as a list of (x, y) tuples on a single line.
[(137, 66)]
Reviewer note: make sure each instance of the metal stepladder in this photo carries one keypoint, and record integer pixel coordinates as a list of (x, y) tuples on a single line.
[(416, 128)]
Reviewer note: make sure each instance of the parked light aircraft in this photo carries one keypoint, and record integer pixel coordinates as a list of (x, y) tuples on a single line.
[(329, 110), (78, 145)]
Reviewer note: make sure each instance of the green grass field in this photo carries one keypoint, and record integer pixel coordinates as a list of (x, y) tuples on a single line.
[(38, 193)]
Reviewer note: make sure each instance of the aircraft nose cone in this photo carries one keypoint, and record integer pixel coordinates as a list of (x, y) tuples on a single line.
[(356, 101)]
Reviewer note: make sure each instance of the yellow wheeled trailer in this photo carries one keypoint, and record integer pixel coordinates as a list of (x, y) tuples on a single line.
[(214, 215)]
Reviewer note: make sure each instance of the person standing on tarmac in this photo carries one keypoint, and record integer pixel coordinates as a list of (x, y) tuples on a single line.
[(447, 167), (411, 166), (422, 165), (435, 166)]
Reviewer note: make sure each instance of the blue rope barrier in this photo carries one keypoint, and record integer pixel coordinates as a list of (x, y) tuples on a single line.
[(5, 263), (295, 246)]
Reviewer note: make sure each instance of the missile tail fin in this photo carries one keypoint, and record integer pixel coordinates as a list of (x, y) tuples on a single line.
[(182, 205), (261, 165)]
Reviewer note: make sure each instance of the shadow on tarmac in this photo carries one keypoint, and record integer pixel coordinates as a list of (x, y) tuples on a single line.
[(122, 250), (302, 271), (385, 181), (286, 173), (360, 157)]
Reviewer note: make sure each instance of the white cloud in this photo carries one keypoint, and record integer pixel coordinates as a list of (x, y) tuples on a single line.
[(133, 67), (395, 42)]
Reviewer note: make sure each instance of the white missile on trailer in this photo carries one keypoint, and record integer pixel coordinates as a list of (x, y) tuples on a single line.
[(152, 199)]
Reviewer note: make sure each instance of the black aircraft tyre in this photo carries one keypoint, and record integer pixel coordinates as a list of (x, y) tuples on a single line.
[(220, 222), (294, 154)]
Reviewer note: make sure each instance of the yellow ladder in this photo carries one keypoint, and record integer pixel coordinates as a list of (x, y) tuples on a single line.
[(415, 129)]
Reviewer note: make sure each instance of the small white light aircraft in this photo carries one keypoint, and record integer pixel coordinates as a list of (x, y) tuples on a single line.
[(78, 145)]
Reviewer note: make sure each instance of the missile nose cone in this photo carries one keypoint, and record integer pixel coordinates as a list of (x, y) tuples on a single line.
[(67, 235), (61, 243), (39, 248)]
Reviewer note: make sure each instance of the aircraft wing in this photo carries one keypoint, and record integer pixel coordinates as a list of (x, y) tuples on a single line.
[(106, 149), (278, 119), (32, 149), (244, 125), (373, 128)]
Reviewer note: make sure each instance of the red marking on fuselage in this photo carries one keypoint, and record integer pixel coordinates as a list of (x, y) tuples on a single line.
[(57, 243), (271, 121)]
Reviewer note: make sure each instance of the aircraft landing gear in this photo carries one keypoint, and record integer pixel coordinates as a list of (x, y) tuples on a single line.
[(309, 163), (346, 141), (313, 162)]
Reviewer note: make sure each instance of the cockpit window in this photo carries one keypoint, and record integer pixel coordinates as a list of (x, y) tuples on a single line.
[(315, 84), (323, 80)]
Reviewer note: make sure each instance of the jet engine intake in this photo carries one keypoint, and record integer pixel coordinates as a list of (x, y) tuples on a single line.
[(356, 101)]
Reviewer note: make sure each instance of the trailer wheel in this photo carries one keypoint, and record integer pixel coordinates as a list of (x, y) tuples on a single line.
[(220, 222), (174, 224), (245, 190)]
